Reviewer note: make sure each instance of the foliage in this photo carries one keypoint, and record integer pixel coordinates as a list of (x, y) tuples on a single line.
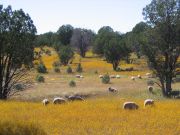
[(114, 51), (64, 34), (69, 70), (72, 83), (82, 39), (162, 43), (105, 34), (65, 54), (17, 33), (57, 69), (40, 78), (47, 39), (106, 79), (79, 68), (41, 68)]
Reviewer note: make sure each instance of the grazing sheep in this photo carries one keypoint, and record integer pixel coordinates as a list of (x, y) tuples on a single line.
[(110, 89), (148, 102), (78, 76), (45, 102), (59, 100), (139, 76), (118, 76), (100, 76), (130, 106), (81, 76), (133, 78), (112, 76), (150, 89), (148, 75), (73, 98)]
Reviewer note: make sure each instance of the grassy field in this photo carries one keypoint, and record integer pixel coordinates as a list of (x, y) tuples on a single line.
[(100, 114)]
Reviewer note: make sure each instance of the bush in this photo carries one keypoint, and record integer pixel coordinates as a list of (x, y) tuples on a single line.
[(57, 70), (95, 72), (69, 70), (79, 68), (150, 82), (56, 64), (106, 79), (65, 54), (41, 68), (72, 83), (40, 78), (118, 69), (19, 86), (14, 128)]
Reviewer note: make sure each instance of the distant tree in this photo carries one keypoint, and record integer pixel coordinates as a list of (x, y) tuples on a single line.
[(17, 33), (114, 51), (162, 47), (105, 34), (64, 34), (82, 39), (48, 39), (65, 54)]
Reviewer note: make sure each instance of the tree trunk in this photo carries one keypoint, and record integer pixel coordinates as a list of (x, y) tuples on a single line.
[(168, 85), (115, 65)]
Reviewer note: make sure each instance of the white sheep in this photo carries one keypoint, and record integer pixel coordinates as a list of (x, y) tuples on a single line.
[(130, 106), (73, 98), (59, 100), (148, 102), (139, 76), (45, 102), (78, 76), (150, 89), (110, 89), (100, 76), (133, 78), (81, 76), (118, 76)]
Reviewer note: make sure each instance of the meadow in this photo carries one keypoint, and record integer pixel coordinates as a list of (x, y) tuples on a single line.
[(101, 113)]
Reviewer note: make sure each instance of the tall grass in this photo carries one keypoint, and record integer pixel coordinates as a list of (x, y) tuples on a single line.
[(96, 117)]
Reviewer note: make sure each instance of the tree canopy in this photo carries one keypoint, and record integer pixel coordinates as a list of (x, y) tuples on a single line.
[(17, 33)]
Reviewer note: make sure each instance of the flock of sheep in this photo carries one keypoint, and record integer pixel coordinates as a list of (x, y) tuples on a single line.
[(126, 105), (60, 100)]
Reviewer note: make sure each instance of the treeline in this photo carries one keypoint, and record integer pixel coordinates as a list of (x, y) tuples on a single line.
[(107, 43)]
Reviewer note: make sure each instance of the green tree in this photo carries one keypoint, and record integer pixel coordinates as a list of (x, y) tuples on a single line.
[(65, 54), (105, 34), (64, 34), (162, 47), (114, 51), (17, 33)]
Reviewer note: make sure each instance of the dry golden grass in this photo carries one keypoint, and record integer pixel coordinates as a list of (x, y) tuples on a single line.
[(103, 116)]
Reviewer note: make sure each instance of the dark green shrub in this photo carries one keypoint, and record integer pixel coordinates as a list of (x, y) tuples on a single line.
[(69, 70), (106, 79), (79, 68), (41, 68), (40, 78), (57, 70), (72, 83), (19, 86), (150, 82)]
